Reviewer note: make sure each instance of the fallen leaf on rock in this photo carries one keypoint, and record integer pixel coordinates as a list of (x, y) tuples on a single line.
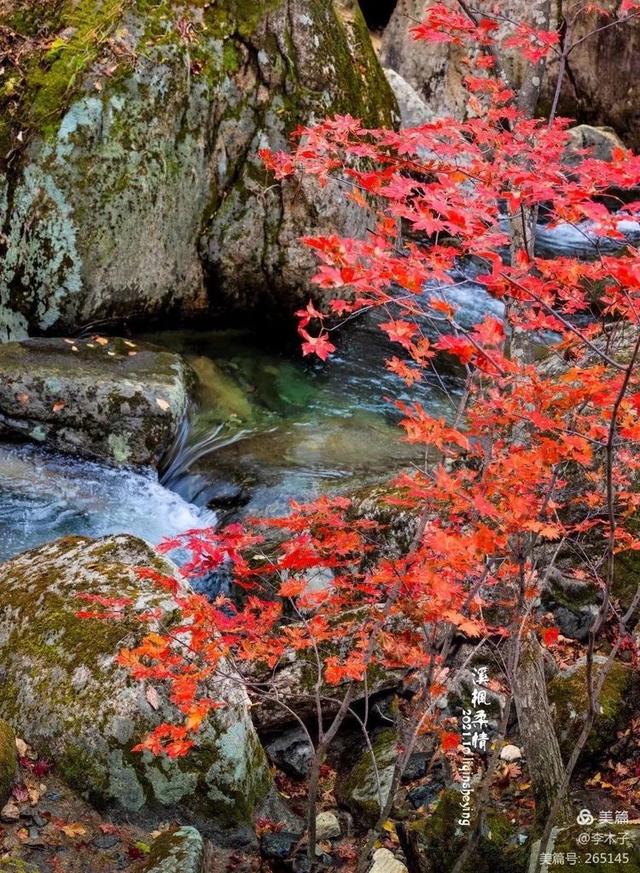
[(163, 404), (20, 792), (101, 340), (58, 405), (73, 829)]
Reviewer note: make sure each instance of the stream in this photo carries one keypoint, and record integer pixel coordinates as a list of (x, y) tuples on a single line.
[(267, 426)]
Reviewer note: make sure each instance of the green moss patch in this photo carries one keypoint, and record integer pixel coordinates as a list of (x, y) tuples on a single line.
[(568, 696)]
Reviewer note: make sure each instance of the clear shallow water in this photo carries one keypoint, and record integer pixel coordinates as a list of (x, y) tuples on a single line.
[(283, 428), (267, 427)]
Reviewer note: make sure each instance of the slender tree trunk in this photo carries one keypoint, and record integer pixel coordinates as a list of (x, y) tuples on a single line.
[(410, 847), (537, 731), (312, 803)]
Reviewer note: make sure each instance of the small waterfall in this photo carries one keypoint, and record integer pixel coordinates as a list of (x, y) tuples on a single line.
[(45, 495), (189, 448)]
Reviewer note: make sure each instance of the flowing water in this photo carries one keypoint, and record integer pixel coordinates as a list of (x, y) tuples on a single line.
[(44, 495), (267, 427)]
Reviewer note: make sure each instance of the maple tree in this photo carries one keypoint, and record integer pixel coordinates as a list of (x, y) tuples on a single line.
[(535, 469)]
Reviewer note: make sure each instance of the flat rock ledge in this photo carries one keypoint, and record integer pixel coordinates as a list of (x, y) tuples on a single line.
[(106, 399)]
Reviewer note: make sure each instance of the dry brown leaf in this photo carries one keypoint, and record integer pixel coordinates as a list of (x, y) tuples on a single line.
[(73, 829), (101, 340), (58, 405)]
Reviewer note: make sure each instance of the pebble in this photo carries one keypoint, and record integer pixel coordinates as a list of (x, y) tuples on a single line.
[(385, 861), (510, 754), (10, 812), (327, 826)]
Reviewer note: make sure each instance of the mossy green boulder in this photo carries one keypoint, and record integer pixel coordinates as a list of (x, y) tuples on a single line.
[(365, 788), (176, 851), (570, 702), (112, 400), (8, 760), (65, 695), (129, 135), (441, 839)]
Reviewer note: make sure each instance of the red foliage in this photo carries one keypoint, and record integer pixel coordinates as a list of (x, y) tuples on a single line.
[(533, 461)]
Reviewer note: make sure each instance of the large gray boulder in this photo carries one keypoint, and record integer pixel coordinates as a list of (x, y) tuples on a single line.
[(113, 400), (414, 112), (63, 692), (129, 135)]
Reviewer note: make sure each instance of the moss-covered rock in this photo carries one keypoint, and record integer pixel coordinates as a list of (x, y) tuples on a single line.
[(117, 401), (8, 760), (363, 791), (177, 851), (16, 865), (441, 839), (64, 693), (129, 131), (569, 700)]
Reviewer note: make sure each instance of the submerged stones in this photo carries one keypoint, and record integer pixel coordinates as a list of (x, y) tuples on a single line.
[(111, 400), (63, 691)]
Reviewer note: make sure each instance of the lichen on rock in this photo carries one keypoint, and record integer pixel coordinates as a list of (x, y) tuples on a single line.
[(133, 187), (111, 400), (176, 851), (65, 694)]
